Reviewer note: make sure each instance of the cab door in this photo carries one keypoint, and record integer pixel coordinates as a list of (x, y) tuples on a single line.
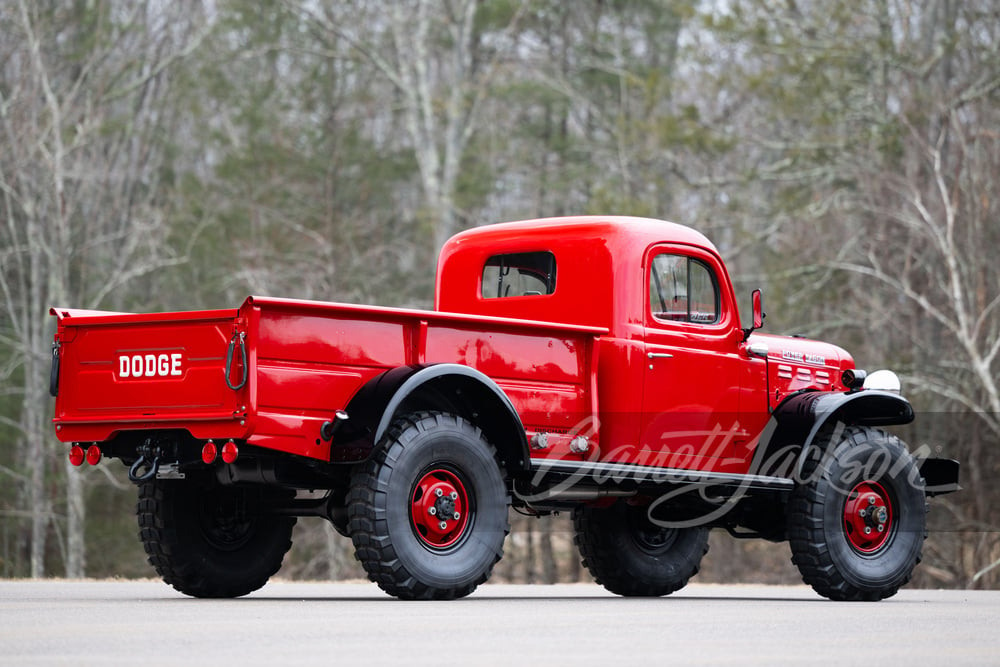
[(690, 410)]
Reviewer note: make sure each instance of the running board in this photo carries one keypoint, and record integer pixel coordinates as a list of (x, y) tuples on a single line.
[(591, 473)]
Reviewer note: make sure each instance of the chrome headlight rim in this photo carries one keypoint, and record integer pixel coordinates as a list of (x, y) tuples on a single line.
[(883, 380)]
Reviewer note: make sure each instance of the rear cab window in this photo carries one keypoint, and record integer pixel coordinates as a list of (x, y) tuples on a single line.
[(522, 274)]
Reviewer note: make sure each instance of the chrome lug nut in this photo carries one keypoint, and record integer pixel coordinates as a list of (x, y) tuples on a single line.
[(443, 525), (432, 511), (438, 492)]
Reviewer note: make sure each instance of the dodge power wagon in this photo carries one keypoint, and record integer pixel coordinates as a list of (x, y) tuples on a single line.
[(591, 365)]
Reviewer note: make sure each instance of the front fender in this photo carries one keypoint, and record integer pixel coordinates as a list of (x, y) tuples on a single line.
[(867, 408), (799, 418)]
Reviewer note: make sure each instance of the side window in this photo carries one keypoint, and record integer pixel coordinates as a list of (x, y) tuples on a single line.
[(519, 274), (682, 289)]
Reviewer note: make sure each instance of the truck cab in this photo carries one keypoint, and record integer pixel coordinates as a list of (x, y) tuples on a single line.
[(676, 366)]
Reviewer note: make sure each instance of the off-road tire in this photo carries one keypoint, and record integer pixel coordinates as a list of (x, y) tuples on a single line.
[(388, 507), (202, 545), (629, 555), (831, 553)]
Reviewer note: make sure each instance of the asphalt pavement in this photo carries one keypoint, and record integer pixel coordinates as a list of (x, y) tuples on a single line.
[(148, 623)]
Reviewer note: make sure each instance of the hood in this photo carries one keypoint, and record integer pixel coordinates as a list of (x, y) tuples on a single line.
[(795, 364)]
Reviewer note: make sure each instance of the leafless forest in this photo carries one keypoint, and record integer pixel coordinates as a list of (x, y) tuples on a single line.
[(175, 155)]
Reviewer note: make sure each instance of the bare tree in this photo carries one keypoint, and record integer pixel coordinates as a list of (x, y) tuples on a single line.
[(931, 243), (82, 100), (441, 66)]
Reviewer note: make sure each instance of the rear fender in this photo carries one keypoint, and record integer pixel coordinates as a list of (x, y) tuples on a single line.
[(453, 388)]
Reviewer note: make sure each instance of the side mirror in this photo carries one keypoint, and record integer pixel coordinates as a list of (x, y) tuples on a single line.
[(758, 313), (758, 309)]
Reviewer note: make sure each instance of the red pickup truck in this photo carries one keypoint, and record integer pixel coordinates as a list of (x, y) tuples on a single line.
[(595, 365)]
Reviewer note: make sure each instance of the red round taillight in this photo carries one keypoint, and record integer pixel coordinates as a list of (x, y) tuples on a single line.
[(94, 455), (209, 452), (230, 451), (76, 455)]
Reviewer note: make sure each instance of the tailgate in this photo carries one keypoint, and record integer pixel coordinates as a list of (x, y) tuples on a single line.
[(168, 370)]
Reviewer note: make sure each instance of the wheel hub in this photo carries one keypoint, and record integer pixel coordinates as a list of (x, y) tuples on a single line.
[(439, 509), (867, 517), (225, 519), (647, 535)]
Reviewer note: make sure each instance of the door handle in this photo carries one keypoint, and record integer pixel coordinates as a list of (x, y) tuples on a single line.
[(660, 355)]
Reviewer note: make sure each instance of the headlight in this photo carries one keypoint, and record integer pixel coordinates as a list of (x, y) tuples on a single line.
[(883, 380)]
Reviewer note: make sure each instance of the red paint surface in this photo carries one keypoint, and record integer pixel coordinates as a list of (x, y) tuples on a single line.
[(574, 361)]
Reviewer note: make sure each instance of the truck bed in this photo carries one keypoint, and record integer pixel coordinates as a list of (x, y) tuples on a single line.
[(304, 361)]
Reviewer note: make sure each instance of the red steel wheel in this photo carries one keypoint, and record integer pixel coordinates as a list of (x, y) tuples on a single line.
[(868, 517), (439, 508), (428, 511), (858, 518)]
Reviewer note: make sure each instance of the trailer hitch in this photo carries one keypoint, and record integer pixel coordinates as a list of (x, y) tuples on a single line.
[(149, 459), (133, 471)]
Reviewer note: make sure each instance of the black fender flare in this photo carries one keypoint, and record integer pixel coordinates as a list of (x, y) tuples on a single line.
[(798, 419), (454, 388)]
